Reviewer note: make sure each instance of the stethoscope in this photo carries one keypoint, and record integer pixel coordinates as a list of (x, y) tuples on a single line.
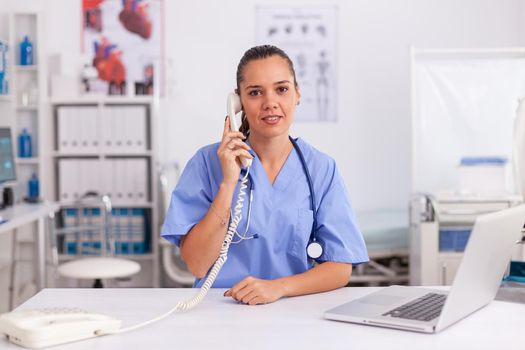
[(314, 249)]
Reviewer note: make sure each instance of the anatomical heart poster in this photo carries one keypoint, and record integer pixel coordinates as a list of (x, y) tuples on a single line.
[(123, 40)]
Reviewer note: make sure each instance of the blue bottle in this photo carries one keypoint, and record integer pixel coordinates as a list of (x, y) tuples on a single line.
[(26, 52), (33, 187), (24, 145), (3, 68)]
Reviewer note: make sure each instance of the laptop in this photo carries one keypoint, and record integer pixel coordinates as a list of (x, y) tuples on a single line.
[(477, 281)]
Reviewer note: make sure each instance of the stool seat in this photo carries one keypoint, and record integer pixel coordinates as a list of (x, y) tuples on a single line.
[(98, 268)]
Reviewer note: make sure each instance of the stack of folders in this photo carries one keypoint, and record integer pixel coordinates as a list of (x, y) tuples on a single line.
[(86, 238), (125, 180), (128, 229), (114, 129)]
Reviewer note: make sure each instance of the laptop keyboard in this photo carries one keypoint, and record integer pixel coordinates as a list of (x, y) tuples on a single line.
[(425, 308)]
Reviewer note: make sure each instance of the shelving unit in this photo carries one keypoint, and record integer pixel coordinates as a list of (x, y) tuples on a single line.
[(24, 105), (95, 148)]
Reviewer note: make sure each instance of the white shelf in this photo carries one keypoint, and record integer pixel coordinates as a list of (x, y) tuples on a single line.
[(102, 154), (137, 257), (130, 154), (30, 68), (6, 98), (28, 161), (27, 108), (104, 99), (76, 155), (132, 205), (114, 204)]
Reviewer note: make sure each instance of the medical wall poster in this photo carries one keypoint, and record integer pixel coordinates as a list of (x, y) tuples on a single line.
[(308, 35), (124, 42)]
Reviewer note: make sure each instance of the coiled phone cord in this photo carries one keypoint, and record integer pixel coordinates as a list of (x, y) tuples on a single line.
[(191, 303)]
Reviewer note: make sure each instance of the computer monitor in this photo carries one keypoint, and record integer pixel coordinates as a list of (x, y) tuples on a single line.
[(7, 163)]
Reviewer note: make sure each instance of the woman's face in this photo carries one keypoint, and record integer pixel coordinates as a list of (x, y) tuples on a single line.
[(268, 96)]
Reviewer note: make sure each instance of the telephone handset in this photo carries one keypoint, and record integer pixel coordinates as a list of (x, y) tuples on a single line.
[(234, 106), (47, 327)]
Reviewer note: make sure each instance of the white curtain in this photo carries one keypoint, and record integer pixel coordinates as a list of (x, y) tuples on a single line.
[(463, 105)]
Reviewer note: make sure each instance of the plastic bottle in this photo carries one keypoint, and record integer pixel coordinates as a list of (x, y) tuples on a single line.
[(3, 68), (33, 187), (26, 52), (24, 145)]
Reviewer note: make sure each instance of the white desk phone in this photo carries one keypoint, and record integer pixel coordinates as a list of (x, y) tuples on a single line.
[(48, 327), (233, 106)]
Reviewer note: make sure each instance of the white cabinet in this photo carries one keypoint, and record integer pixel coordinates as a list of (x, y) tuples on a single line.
[(439, 231), (106, 145)]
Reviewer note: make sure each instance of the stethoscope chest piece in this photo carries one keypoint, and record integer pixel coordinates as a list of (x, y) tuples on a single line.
[(314, 250)]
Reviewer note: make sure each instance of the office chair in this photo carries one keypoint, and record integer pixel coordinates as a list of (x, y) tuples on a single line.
[(93, 241), (172, 262)]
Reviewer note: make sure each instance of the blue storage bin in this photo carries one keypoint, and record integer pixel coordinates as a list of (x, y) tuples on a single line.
[(453, 239)]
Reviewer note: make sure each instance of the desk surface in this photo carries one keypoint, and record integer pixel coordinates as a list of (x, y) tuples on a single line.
[(290, 323), (24, 213)]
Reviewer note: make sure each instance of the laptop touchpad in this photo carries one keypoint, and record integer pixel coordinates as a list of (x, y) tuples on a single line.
[(381, 299)]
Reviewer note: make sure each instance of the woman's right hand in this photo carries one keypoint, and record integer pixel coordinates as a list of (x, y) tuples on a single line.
[(231, 148)]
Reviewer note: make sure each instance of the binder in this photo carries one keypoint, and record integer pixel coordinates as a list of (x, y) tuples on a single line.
[(106, 181), (127, 119), (74, 129), (136, 129), (69, 245), (127, 180), (89, 132), (106, 130), (119, 175), (83, 129), (68, 176), (64, 141), (91, 177), (127, 238), (117, 124), (138, 180), (138, 223)]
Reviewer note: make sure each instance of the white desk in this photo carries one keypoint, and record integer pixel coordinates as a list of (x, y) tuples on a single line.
[(23, 214), (292, 323)]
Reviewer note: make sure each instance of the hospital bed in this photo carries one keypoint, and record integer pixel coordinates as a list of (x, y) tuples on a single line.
[(385, 232)]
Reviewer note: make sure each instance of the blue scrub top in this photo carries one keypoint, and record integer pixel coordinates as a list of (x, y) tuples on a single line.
[(281, 216)]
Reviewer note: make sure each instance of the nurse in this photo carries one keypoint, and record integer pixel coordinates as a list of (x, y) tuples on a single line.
[(268, 257)]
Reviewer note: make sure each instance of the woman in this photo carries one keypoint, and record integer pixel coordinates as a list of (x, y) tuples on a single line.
[(268, 258)]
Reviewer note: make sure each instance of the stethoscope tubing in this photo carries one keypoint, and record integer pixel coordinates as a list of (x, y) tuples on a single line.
[(312, 199)]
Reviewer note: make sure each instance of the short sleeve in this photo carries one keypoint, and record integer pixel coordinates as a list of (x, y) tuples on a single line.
[(336, 224), (190, 200)]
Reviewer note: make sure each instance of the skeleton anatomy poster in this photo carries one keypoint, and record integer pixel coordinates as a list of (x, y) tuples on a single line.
[(308, 35)]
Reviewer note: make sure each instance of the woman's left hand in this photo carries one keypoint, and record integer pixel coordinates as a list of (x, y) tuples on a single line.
[(254, 291)]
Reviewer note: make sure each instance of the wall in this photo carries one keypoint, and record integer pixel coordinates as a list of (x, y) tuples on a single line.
[(521, 20), (371, 141)]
